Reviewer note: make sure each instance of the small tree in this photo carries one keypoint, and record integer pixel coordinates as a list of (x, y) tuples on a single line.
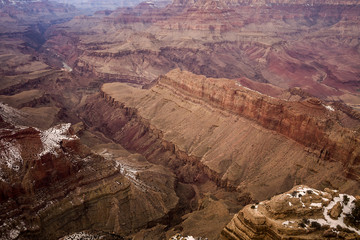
[(315, 225), (346, 199), (354, 216)]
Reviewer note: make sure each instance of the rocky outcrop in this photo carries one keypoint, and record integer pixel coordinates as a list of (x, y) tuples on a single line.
[(52, 185), (301, 213)]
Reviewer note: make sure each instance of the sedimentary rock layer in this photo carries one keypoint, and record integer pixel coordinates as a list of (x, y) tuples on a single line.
[(301, 213), (308, 122), (52, 185), (231, 133), (289, 44)]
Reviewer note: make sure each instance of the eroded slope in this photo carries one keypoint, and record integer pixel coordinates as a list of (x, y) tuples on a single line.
[(52, 185), (194, 118)]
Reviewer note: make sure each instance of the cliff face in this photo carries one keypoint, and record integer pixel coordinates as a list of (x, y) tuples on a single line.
[(200, 122), (301, 213), (52, 185), (309, 122)]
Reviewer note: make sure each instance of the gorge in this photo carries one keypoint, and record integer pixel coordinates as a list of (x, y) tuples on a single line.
[(179, 120)]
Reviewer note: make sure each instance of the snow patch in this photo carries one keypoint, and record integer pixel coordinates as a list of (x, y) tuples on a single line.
[(80, 236), (288, 222), (302, 191), (10, 115), (319, 205), (347, 209), (66, 67), (14, 233), (330, 108), (326, 220), (11, 154), (52, 138), (132, 174), (179, 237)]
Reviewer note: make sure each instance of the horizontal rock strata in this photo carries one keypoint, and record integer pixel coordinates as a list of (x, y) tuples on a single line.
[(301, 213), (52, 185), (197, 119)]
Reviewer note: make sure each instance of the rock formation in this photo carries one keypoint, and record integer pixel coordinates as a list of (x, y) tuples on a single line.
[(309, 122), (194, 118), (301, 213), (52, 185), (175, 155), (312, 45)]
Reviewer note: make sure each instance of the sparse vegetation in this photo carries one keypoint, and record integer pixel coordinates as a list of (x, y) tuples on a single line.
[(294, 193), (354, 217), (309, 191), (315, 225), (306, 221), (302, 225), (346, 199)]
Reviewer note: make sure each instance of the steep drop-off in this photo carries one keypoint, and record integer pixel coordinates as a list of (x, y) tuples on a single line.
[(51, 185), (228, 132)]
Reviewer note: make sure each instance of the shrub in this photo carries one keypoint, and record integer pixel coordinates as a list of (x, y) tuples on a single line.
[(306, 221), (309, 191), (315, 225), (346, 199), (294, 193), (354, 217), (302, 225)]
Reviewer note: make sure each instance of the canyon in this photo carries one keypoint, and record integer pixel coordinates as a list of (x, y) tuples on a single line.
[(198, 118)]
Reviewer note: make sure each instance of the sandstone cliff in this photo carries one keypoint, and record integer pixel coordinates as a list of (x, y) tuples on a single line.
[(301, 213), (232, 134), (310, 122)]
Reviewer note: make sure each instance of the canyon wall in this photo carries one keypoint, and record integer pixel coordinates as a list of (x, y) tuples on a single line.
[(52, 185), (294, 44), (228, 133), (309, 122)]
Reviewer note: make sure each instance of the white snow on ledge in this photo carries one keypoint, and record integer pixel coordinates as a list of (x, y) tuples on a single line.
[(179, 237), (330, 108), (11, 154), (326, 206), (79, 236), (52, 137), (10, 114)]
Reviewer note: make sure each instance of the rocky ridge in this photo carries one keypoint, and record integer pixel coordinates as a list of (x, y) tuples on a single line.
[(283, 44), (301, 213), (52, 185), (174, 118), (310, 122)]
